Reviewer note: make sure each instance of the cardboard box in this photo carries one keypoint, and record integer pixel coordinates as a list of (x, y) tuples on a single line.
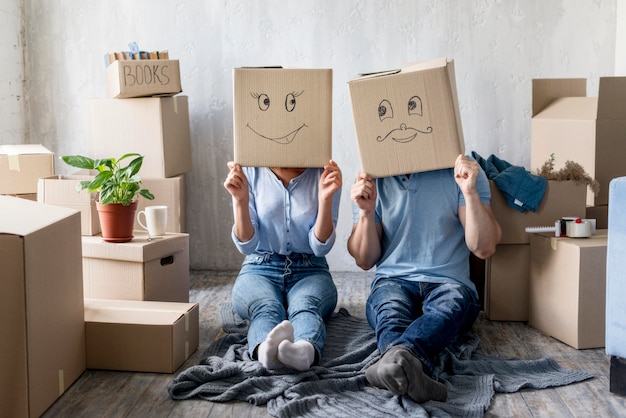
[(407, 120), (282, 117), (171, 193), (567, 288), (42, 333), (155, 127), (22, 165), (601, 214), (507, 274), (61, 190), (561, 199), (156, 270), (141, 78), (140, 336), (590, 131)]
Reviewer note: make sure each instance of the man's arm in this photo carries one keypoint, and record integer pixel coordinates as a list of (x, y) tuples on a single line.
[(364, 241), (482, 231)]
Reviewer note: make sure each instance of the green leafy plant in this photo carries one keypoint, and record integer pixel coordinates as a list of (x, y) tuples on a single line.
[(114, 183)]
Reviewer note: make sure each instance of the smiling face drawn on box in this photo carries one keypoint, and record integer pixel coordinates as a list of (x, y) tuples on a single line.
[(272, 103), (401, 124)]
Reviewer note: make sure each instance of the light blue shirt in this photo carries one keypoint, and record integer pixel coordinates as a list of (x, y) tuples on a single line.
[(423, 238), (284, 218)]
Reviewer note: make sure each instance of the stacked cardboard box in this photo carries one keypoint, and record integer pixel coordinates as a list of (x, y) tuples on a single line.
[(507, 272), (137, 293), (21, 166), (42, 332)]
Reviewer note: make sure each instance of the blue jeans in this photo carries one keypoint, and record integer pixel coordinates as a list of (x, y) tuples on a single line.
[(271, 288), (424, 317)]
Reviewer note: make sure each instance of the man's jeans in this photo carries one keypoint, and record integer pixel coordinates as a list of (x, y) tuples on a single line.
[(425, 317), (271, 288)]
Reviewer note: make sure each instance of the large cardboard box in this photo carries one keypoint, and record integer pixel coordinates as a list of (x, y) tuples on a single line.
[(42, 333), (407, 120), (155, 127), (140, 336), (507, 274), (282, 117), (142, 269), (22, 165), (171, 193), (588, 130), (141, 78), (561, 199), (61, 190), (567, 288)]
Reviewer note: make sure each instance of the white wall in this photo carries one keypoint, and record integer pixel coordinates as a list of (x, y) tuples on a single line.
[(498, 47), (12, 112)]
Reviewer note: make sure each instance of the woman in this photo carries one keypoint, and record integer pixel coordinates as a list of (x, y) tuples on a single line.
[(284, 222)]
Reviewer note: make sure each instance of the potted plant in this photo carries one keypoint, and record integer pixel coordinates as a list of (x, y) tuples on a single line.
[(117, 187)]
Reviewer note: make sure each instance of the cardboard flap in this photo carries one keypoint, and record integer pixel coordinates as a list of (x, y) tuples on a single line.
[(545, 91), (426, 65), (612, 98), (23, 217)]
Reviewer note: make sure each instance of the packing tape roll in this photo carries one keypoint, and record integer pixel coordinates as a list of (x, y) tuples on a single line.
[(578, 229)]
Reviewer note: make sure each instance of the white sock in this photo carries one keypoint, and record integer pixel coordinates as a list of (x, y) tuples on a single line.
[(299, 355), (267, 352)]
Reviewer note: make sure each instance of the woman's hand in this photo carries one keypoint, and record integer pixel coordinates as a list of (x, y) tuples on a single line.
[(330, 181), (236, 182)]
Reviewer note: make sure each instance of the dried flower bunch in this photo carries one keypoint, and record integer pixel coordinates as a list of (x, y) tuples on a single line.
[(571, 171)]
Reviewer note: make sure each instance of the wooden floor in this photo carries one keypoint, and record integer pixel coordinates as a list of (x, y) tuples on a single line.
[(123, 394)]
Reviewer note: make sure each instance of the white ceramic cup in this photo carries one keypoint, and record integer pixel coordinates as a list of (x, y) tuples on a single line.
[(156, 220)]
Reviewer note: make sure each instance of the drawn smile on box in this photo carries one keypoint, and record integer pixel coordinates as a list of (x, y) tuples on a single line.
[(287, 139)]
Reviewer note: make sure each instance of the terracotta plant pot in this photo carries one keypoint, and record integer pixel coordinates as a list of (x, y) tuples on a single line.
[(117, 221)]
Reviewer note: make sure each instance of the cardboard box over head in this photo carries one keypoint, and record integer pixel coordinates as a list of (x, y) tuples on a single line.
[(590, 131), (407, 120), (282, 117)]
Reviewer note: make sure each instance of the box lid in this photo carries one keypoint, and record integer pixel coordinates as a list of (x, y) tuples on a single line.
[(546, 90), (24, 149), (140, 249), (135, 311), (23, 217), (570, 108)]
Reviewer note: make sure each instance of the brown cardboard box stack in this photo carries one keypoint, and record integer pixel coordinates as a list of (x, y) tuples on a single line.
[(590, 131), (138, 292)]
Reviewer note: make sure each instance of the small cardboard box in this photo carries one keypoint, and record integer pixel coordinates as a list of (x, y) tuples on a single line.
[(171, 193), (507, 274), (61, 190), (155, 127), (282, 117), (407, 120), (42, 331), (141, 78), (22, 165), (590, 131), (561, 199), (156, 270), (140, 336), (567, 290)]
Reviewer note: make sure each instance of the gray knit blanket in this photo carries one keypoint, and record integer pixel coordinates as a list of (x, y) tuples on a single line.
[(338, 388)]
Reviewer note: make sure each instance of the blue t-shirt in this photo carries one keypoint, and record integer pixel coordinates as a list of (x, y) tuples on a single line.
[(423, 238), (284, 218)]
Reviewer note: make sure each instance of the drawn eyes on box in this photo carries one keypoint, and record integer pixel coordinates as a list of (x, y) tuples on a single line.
[(402, 133), (264, 102)]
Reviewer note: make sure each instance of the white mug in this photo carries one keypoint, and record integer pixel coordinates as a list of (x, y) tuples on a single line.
[(156, 220)]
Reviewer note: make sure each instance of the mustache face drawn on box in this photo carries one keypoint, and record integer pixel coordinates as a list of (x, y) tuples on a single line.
[(264, 103), (404, 120), (407, 120), (282, 117)]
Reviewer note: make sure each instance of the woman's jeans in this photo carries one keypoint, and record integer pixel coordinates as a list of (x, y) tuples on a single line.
[(271, 288), (424, 317)]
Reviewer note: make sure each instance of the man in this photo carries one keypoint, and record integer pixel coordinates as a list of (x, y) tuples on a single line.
[(418, 230)]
